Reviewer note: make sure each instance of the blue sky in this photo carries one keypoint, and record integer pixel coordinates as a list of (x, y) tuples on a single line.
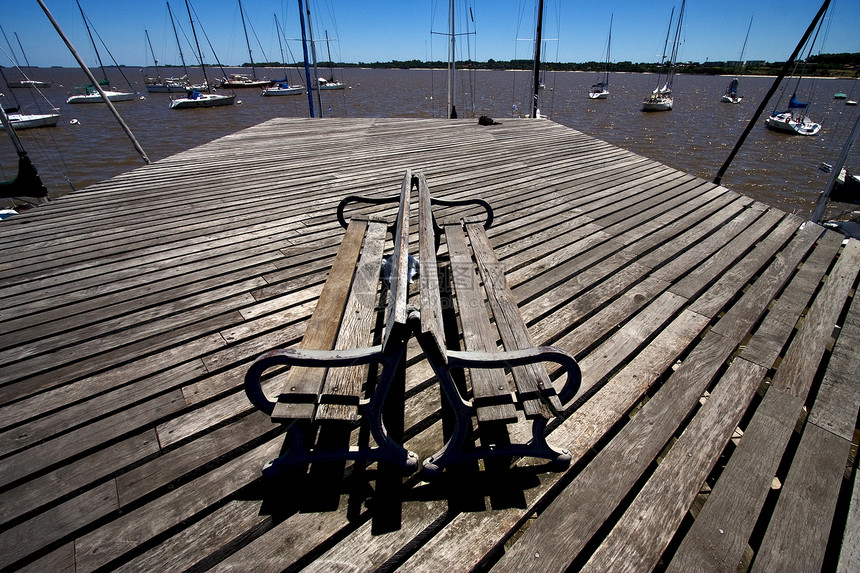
[(368, 31)]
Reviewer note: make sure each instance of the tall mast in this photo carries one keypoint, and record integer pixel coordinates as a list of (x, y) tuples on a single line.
[(330, 63), (247, 41), (675, 45), (307, 65), (314, 57), (151, 51), (98, 57), (452, 61), (178, 43), (608, 50), (536, 68), (197, 43)]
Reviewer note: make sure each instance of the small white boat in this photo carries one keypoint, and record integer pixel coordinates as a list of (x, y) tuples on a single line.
[(598, 91), (330, 84), (30, 120), (785, 122), (95, 97), (243, 81), (198, 99), (659, 100), (30, 84), (731, 95), (283, 89)]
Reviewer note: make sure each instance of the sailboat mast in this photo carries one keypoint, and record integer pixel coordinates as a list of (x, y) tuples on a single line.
[(330, 63), (23, 53), (314, 57), (247, 41), (608, 49), (536, 68), (307, 66), (178, 43), (197, 43), (452, 61), (98, 57), (675, 45), (151, 51)]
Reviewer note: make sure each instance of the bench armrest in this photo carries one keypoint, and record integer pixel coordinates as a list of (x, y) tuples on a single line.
[(459, 203), (359, 199), (303, 357), (508, 358)]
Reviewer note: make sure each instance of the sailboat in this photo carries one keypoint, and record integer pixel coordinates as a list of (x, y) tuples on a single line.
[(195, 98), (600, 90), (88, 93), (282, 87), (793, 120), (25, 82), (244, 80), (732, 95), (330, 83), (171, 84), (20, 120), (661, 98)]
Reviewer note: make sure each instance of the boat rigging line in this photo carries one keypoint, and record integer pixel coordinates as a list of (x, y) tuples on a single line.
[(785, 67), (92, 78)]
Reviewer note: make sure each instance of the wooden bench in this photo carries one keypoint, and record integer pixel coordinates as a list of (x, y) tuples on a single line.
[(494, 402), (330, 367), (329, 370)]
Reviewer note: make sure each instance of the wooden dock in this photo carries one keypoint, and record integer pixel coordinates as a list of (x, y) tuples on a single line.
[(718, 340)]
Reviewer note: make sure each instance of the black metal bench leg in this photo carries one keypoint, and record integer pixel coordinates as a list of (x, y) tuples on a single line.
[(387, 450), (295, 452), (538, 447), (453, 451)]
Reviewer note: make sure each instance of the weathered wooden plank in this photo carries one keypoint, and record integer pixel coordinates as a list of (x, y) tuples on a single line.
[(343, 386), (849, 557), (800, 526), (490, 392), (51, 526), (639, 538), (303, 384)]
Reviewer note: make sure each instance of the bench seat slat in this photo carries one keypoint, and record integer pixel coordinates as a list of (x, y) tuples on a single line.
[(531, 380), (491, 394), (431, 298), (343, 386), (303, 384)]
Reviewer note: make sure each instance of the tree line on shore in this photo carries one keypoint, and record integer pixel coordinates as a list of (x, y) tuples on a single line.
[(826, 65)]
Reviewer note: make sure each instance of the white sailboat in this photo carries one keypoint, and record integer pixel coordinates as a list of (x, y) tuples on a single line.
[(88, 93), (793, 119), (196, 98), (282, 87), (600, 90), (731, 95), (244, 80), (171, 84), (661, 98)]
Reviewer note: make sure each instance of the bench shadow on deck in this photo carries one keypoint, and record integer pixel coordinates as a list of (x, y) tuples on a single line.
[(714, 428)]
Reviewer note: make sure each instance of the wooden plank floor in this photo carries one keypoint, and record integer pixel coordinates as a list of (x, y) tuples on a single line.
[(715, 428)]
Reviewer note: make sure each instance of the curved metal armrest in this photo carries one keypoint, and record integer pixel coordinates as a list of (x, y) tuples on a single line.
[(303, 357), (359, 199), (459, 203), (508, 358)]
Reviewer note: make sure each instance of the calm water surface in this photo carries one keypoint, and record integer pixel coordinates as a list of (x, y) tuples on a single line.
[(695, 137)]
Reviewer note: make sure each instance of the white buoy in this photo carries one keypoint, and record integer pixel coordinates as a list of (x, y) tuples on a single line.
[(74, 122)]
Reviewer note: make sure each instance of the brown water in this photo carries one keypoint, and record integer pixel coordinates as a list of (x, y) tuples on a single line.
[(695, 137)]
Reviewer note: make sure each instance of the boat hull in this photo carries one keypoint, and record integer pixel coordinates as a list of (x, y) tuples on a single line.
[(598, 95), (97, 98), (203, 100), (28, 121), (30, 84), (784, 123), (657, 104), (730, 99), (279, 91)]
